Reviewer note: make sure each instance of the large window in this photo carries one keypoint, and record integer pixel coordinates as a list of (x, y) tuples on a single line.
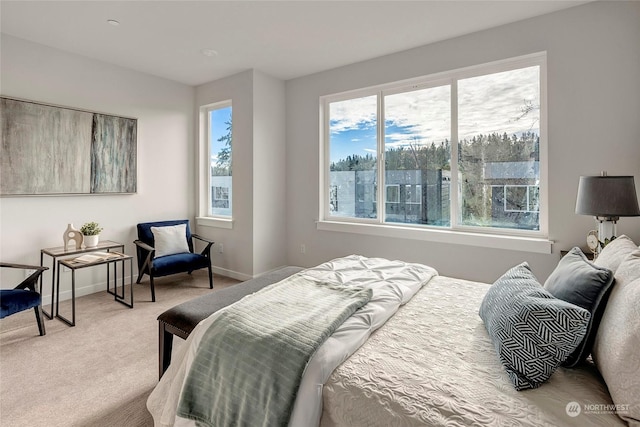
[(393, 145), (220, 136)]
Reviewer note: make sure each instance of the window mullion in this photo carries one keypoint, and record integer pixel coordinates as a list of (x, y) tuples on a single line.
[(453, 189), (208, 165), (381, 160)]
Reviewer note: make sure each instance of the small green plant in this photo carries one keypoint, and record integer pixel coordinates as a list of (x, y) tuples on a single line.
[(90, 229), (606, 242)]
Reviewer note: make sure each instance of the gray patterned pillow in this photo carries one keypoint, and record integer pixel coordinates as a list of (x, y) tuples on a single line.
[(578, 281), (532, 331)]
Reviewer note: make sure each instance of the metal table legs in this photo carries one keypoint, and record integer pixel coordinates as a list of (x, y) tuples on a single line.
[(119, 297)]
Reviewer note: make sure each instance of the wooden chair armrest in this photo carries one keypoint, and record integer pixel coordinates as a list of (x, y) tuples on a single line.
[(144, 246), (207, 250), (204, 239), (29, 282)]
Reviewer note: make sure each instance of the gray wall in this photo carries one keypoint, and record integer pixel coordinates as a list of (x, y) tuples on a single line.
[(593, 125)]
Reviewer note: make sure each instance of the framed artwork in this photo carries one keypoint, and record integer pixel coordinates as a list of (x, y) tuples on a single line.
[(53, 150)]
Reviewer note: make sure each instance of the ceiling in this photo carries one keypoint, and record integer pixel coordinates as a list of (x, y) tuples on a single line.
[(286, 39)]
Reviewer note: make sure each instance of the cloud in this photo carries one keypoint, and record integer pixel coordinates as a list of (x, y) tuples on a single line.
[(359, 113), (486, 104), (494, 103), (422, 116)]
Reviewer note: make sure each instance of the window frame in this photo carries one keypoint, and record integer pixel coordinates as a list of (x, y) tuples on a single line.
[(205, 216), (528, 240), (528, 194)]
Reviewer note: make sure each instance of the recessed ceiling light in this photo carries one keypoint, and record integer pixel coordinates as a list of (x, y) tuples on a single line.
[(113, 22), (209, 52)]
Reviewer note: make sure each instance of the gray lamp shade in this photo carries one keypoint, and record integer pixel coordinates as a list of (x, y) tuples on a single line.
[(607, 196)]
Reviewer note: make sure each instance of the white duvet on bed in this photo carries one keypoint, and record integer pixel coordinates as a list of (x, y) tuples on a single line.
[(433, 364), (393, 284)]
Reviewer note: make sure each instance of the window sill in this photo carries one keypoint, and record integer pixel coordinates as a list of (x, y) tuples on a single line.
[(515, 243), (215, 222)]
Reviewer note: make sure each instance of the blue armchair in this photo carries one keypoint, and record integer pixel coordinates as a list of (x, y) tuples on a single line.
[(24, 296), (166, 247)]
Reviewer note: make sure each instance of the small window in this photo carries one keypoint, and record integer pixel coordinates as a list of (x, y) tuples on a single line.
[(393, 193), (515, 198), (220, 135)]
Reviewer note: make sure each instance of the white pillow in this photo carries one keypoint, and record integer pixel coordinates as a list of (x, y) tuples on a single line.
[(170, 240), (615, 252), (615, 351)]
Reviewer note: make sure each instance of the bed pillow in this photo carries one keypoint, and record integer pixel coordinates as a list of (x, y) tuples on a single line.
[(170, 239), (615, 351), (532, 331), (580, 282), (617, 250)]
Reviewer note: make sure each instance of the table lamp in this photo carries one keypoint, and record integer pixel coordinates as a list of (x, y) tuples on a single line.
[(607, 198)]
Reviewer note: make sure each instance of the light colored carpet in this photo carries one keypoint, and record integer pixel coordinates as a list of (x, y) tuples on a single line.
[(98, 373)]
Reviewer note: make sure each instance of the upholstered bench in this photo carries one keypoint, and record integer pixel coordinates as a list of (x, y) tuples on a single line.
[(183, 318)]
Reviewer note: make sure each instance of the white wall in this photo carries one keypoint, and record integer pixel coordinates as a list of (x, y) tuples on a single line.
[(237, 259), (269, 174), (165, 150), (594, 110), (256, 243), (593, 86)]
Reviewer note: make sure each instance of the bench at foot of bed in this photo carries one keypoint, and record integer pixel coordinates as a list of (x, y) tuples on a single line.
[(183, 318)]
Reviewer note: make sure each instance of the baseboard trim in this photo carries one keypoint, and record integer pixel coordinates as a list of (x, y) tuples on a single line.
[(231, 273), (82, 290), (241, 276), (99, 287)]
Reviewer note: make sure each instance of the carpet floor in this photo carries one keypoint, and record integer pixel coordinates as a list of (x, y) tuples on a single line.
[(98, 373)]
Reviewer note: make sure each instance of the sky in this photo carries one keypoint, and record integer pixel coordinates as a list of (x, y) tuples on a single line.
[(486, 104), (218, 129)]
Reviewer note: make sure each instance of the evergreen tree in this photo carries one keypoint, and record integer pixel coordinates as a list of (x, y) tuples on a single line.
[(223, 163)]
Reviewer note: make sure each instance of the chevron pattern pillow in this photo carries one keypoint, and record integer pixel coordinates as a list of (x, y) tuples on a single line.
[(532, 331)]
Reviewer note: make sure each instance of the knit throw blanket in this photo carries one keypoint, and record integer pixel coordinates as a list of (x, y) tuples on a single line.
[(250, 361)]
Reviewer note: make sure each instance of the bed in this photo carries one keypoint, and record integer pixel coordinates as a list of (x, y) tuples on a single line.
[(416, 354)]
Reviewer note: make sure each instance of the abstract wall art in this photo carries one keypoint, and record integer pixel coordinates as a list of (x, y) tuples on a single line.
[(52, 150)]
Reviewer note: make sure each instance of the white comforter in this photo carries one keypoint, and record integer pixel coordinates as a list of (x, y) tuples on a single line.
[(393, 284), (433, 364)]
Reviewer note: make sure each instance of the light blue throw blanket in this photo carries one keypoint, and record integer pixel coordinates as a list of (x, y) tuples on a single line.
[(249, 364)]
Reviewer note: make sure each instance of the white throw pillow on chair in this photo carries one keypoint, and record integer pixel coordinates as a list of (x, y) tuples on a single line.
[(170, 240)]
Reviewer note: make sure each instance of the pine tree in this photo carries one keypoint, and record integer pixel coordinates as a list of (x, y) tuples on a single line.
[(223, 164)]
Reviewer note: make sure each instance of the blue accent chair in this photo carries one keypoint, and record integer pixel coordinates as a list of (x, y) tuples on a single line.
[(167, 265), (24, 296)]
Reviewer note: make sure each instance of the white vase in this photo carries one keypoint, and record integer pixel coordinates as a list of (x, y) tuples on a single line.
[(91, 241)]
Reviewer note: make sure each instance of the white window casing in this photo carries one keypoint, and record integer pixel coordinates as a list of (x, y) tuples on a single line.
[(532, 240)]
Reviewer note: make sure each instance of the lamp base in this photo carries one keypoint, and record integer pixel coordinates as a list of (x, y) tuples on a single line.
[(606, 231)]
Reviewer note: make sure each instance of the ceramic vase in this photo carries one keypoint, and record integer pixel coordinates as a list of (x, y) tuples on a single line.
[(72, 234), (91, 241)]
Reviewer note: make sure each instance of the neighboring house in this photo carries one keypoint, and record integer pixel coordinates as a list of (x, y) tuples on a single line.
[(422, 197), (221, 195), (411, 196), (515, 192)]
